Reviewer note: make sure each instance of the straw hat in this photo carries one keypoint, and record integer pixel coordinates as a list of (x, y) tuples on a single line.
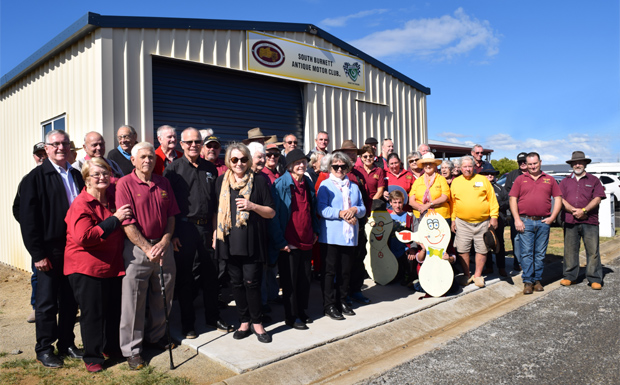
[(429, 157)]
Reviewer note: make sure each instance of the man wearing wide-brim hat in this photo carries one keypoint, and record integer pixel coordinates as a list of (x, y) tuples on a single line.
[(581, 195), (256, 135)]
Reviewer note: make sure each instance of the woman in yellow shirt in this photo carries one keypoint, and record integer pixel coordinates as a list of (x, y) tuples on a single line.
[(431, 189)]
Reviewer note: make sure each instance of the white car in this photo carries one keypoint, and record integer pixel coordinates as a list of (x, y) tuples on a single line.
[(611, 183)]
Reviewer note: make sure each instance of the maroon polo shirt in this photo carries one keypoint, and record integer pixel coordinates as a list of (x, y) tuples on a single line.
[(581, 192), (299, 228), (271, 175), (534, 196), (151, 206), (373, 180)]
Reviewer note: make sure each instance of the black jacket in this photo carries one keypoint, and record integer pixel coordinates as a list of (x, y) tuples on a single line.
[(42, 211)]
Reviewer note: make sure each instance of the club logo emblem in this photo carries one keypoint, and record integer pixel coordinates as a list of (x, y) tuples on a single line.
[(352, 70), (268, 54)]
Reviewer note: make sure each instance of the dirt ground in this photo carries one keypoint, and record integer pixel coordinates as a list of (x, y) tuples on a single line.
[(17, 340)]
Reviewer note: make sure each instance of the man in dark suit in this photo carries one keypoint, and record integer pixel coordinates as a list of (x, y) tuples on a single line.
[(46, 193)]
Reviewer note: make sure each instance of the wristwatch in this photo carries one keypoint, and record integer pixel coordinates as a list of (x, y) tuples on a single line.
[(585, 211)]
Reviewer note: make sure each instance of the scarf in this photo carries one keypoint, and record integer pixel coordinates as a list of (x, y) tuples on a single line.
[(428, 181), (344, 187), (224, 220)]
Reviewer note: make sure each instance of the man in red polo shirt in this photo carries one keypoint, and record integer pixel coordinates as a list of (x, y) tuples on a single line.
[(530, 204), (581, 195), (166, 152), (147, 246)]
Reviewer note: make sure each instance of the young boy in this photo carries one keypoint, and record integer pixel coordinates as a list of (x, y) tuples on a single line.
[(403, 220)]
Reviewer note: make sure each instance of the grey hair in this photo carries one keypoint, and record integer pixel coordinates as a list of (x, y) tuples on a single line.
[(131, 129), (457, 162), (54, 132), (414, 154), (142, 146), (342, 157), (321, 132), (476, 146), (163, 128), (448, 163), (325, 162), (256, 147), (469, 158), (188, 129), (205, 133), (314, 157)]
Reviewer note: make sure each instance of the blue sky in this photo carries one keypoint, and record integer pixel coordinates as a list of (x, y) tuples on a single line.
[(511, 75)]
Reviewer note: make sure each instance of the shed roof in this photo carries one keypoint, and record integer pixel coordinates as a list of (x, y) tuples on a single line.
[(91, 21)]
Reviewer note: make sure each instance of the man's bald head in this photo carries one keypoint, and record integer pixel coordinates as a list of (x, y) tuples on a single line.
[(94, 144)]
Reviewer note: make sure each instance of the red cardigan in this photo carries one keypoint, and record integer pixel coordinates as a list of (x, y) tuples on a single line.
[(86, 252), (160, 160)]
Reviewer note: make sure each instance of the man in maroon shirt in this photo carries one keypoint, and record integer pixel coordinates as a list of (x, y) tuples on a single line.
[(581, 195), (166, 152), (147, 246), (530, 204)]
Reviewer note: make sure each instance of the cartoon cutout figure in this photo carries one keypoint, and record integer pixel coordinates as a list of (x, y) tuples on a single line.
[(436, 273), (382, 265)]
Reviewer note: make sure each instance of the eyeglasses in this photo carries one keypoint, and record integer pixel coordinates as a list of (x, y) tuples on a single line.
[(413, 160), (190, 142), (236, 160), (214, 145), (57, 144), (338, 167), (272, 155), (367, 156), (122, 137), (292, 142), (98, 175)]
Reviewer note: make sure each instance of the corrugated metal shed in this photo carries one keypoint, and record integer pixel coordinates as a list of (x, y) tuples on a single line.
[(98, 74)]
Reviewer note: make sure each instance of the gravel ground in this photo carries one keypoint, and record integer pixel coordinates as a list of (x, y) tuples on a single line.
[(571, 334)]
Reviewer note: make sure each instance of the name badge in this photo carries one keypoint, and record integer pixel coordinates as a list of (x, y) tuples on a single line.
[(478, 184)]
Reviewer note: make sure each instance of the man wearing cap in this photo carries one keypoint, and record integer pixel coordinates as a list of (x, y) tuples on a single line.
[(581, 195), (474, 211), (321, 141), (45, 196), (127, 138), (165, 153), (501, 194), (530, 204), (514, 234), (477, 152), (94, 146), (148, 245), (193, 181), (39, 155), (211, 152)]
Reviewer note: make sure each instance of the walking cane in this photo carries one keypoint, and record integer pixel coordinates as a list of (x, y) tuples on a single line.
[(163, 294)]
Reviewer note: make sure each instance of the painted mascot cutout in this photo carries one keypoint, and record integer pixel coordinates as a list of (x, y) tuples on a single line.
[(436, 274), (382, 265)]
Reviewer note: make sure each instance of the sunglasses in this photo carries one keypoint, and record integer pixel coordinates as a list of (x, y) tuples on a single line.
[(413, 160), (215, 145), (272, 155), (292, 142), (236, 160), (367, 156), (338, 167), (479, 153), (190, 142)]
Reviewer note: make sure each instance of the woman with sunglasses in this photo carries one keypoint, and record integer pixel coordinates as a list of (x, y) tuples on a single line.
[(340, 205), (374, 177), (271, 162), (244, 204), (94, 262)]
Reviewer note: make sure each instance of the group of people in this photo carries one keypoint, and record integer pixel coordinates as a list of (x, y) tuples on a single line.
[(121, 236)]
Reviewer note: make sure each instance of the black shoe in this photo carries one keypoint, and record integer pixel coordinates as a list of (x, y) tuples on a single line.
[(305, 319), (241, 334), (135, 362), (162, 344), (190, 335), (50, 360), (333, 313), (296, 324), (264, 338), (221, 325), (346, 309), (72, 352)]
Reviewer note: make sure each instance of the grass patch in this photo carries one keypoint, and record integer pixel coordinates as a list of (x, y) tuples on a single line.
[(73, 373), (3, 354)]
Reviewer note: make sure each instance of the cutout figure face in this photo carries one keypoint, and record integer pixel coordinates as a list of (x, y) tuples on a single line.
[(382, 226), (434, 231)]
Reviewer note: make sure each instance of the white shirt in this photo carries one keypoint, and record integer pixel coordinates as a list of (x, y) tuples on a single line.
[(67, 181)]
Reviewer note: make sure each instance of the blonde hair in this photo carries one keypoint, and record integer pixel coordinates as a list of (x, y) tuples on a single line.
[(396, 194), (244, 150), (94, 162)]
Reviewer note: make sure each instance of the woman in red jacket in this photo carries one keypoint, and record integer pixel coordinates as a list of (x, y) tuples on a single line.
[(94, 262)]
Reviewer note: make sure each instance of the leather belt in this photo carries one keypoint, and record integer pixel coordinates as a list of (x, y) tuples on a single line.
[(196, 221), (533, 218), (153, 241)]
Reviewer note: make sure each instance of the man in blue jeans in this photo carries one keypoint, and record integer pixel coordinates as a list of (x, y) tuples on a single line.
[(581, 195), (530, 204)]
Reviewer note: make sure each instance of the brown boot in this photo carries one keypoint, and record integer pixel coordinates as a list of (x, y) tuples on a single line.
[(538, 286), (527, 288)]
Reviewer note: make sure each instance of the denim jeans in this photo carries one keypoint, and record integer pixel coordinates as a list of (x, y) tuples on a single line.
[(533, 241), (573, 233)]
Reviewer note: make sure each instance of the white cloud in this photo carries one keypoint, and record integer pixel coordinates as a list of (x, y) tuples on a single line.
[(436, 38), (342, 20), (548, 158), (451, 135)]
